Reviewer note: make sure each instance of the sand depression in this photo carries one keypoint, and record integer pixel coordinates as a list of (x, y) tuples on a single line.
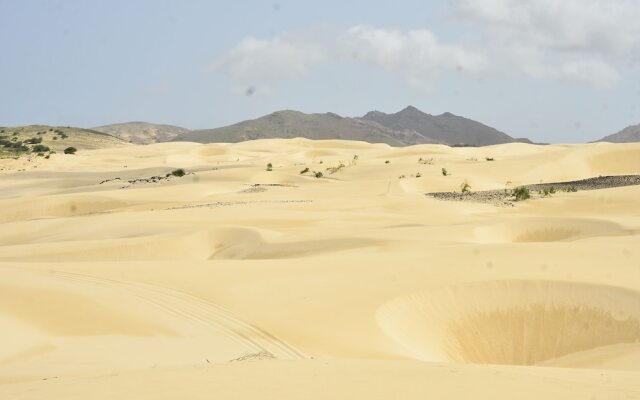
[(511, 322)]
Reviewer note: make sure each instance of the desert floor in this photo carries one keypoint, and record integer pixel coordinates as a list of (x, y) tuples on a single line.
[(237, 282)]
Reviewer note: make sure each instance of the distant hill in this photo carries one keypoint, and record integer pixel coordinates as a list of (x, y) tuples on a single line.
[(290, 124), (20, 140), (407, 127), (445, 128), (627, 135), (142, 132)]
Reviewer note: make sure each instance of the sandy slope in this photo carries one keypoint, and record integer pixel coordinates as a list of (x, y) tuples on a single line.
[(235, 282)]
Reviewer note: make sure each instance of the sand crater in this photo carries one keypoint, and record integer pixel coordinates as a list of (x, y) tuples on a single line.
[(511, 322)]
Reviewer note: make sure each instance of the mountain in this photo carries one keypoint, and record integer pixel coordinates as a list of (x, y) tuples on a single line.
[(445, 128), (290, 124), (627, 135), (406, 127), (142, 132)]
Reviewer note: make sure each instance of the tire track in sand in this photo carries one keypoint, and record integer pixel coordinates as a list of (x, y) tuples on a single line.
[(195, 310)]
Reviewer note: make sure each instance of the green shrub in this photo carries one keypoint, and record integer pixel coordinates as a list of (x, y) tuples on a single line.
[(521, 193), (40, 148), (178, 172), (546, 192), (333, 170), (34, 140), (70, 150), (304, 171), (489, 158), (387, 162), (318, 174), (269, 167), (15, 146), (465, 188), (418, 175), (445, 172)]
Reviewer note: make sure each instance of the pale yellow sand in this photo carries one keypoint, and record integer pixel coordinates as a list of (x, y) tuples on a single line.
[(355, 285)]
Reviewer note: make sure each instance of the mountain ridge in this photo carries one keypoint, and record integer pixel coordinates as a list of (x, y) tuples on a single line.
[(406, 127), (629, 134)]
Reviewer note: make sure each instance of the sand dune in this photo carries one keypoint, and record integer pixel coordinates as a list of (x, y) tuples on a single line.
[(118, 279)]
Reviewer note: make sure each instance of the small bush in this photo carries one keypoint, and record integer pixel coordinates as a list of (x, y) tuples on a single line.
[(16, 146), (40, 148), (489, 158), (418, 175), (465, 187), (387, 162), (178, 172), (521, 193), (401, 177), (70, 150), (304, 171), (445, 172), (333, 170), (34, 140), (269, 167), (546, 192), (47, 156), (318, 174), (572, 189), (427, 161)]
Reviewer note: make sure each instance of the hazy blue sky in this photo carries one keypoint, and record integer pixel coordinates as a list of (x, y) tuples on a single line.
[(559, 71)]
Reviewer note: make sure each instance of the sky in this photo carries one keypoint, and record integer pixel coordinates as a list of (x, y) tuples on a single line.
[(554, 71)]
